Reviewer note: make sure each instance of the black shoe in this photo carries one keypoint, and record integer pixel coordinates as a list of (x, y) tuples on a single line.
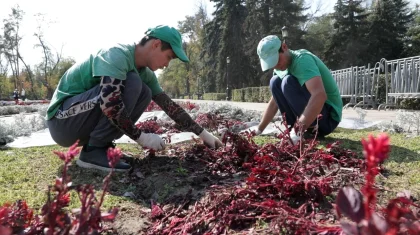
[(96, 158)]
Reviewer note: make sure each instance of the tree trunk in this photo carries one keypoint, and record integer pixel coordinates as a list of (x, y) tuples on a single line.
[(28, 70), (14, 73), (50, 92), (266, 13)]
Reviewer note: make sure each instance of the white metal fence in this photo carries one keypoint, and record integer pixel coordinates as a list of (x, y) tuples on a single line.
[(361, 84)]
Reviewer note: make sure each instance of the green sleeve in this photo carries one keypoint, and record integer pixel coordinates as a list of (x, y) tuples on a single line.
[(149, 77), (112, 62), (305, 69)]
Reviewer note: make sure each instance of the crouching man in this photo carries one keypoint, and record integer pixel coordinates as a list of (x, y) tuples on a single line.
[(302, 87), (100, 99)]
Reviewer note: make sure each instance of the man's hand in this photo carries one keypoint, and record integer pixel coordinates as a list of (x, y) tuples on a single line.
[(269, 114), (315, 103), (152, 141), (210, 140), (256, 131), (294, 137)]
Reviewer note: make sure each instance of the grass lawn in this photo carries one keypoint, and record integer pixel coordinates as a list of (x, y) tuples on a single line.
[(26, 173)]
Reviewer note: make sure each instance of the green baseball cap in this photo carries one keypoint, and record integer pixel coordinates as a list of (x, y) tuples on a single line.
[(171, 36), (268, 51)]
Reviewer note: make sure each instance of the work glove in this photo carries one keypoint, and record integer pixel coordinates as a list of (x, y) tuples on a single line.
[(294, 137), (256, 130), (210, 140), (151, 141)]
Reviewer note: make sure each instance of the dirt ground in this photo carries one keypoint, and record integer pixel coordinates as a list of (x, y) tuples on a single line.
[(166, 180)]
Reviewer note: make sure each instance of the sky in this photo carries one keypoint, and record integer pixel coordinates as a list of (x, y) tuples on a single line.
[(81, 27)]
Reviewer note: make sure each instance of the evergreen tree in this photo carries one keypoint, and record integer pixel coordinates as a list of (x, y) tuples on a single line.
[(225, 37), (210, 45), (232, 46), (267, 17), (318, 33), (346, 46), (405, 17), (412, 39), (388, 27)]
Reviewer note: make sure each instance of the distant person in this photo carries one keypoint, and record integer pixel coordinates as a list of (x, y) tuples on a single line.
[(100, 99), (16, 95), (22, 94), (302, 87)]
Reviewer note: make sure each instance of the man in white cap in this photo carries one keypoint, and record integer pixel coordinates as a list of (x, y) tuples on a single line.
[(302, 87)]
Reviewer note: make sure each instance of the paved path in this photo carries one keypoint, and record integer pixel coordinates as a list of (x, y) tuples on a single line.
[(43, 137), (350, 113)]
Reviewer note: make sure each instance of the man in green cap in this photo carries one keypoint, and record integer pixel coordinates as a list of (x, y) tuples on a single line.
[(302, 88), (100, 99)]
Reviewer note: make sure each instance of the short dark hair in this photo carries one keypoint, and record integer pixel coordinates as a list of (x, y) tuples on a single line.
[(165, 45)]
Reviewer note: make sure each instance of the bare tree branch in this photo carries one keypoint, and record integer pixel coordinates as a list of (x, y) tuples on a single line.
[(50, 59), (312, 14)]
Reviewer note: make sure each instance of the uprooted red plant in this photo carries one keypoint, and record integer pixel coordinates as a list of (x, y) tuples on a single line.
[(286, 189)]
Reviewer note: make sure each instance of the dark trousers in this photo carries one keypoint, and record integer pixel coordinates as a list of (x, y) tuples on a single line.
[(292, 98), (81, 118)]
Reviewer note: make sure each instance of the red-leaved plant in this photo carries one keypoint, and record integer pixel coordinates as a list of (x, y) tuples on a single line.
[(188, 105), (152, 107), (185, 105), (18, 218), (284, 187), (150, 126), (400, 216), (285, 190)]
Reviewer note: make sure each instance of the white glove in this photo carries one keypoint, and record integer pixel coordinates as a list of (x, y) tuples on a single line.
[(210, 140), (294, 137), (254, 129), (150, 140)]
